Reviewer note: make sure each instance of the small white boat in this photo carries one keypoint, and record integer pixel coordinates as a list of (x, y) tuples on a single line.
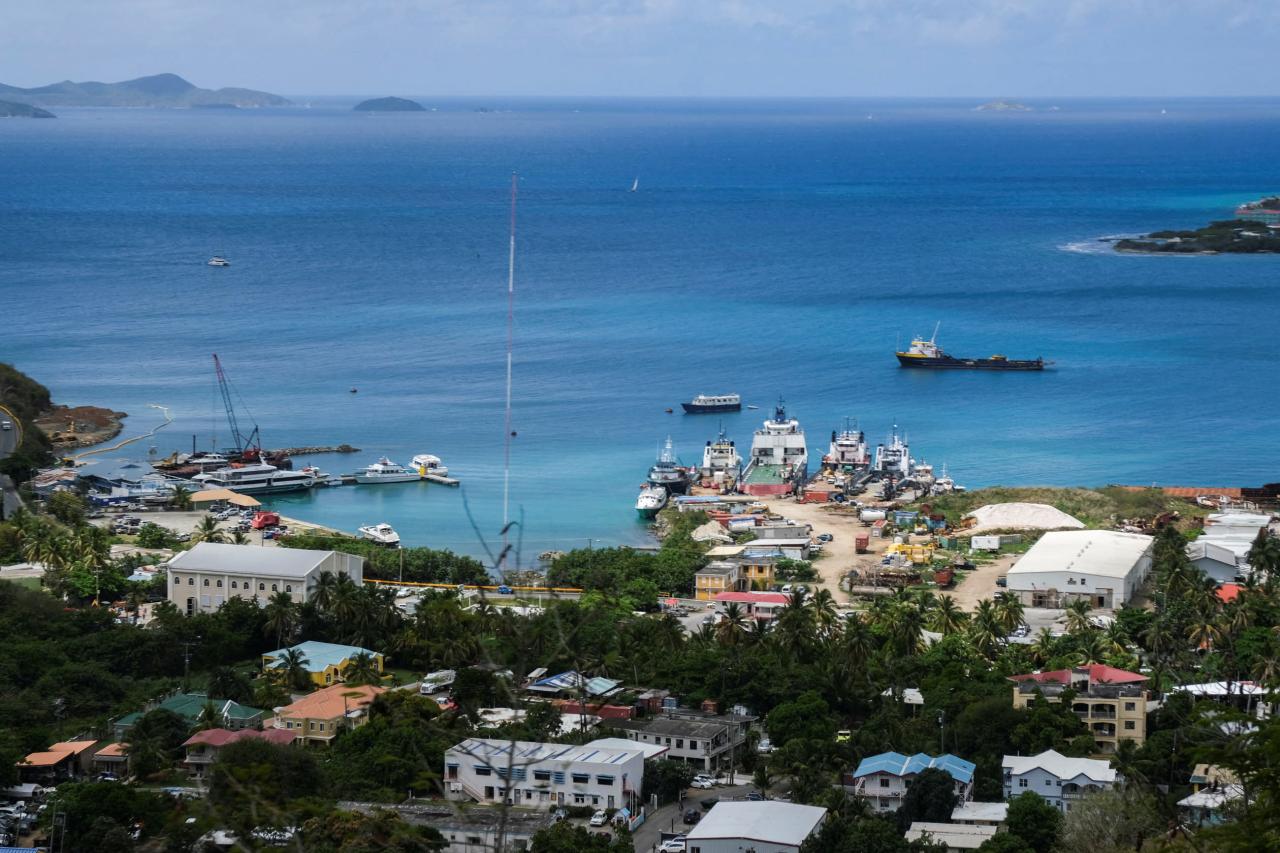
[(635, 185), (383, 534), (651, 501), (219, 261), (425, 463), (386, 471)]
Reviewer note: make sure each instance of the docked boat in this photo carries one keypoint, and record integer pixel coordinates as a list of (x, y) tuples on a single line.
[(721, 463), (848, 451), (255, 479), (894, 459), (704, 404), (779, 457), (425, 463), (219, 261), (668, 473), (386, 471), (382, 534), (930, 356), (651, 500)]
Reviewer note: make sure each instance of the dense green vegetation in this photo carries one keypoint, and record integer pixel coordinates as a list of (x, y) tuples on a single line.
[(616, 571), (1236, 236), (420, 565), (27, 399)]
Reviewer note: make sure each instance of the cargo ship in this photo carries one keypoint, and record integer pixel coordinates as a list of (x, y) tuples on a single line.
[(930, 356), (779, 457)]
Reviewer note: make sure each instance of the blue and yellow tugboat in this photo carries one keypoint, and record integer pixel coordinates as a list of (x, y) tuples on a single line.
[(928, 355)]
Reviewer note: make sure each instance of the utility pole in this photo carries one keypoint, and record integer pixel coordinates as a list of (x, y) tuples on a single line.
[(942, 731), (186, 665)]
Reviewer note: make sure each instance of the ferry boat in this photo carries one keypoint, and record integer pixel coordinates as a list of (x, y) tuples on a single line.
[(651, 500), (255, 479), (930, 356), (779, 456), (382, 534), (704, 404), (894, 459), (386, 471), (668, 473), (848, 451), (721, 463), (425, 463)]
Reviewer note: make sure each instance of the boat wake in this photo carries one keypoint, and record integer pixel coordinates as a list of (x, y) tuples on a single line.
[(1097, 246)]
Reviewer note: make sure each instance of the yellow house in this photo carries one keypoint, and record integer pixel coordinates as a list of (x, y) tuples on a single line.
[(715, 578), (756, 571), (316, 719), (327, 663)]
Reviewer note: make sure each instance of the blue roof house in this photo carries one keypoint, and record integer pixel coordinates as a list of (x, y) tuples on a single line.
[(883, 779)]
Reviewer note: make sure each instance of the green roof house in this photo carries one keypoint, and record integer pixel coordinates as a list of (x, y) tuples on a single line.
[(189, 706)]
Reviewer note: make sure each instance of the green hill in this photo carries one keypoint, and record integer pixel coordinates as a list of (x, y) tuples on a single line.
[(390, 105), (158, 90), (13, 109)]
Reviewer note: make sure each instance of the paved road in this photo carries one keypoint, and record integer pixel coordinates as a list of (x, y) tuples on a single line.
[(669, 817), (9, 438)]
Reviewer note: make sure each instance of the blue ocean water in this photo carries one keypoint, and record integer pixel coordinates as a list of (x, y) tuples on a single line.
[(774, 248)]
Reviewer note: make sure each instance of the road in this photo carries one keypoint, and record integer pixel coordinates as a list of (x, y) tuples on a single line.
[(669, 817), (9, 441)]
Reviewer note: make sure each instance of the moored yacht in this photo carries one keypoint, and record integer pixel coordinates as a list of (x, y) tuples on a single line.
[(425, 463), (779, 456), (254, 479), (706, 403), (383, 534), (721, 463), (219, 261), (651, 500), (386, 471), (668, 473)]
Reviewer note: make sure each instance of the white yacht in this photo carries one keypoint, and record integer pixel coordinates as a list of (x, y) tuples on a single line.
[(205, 461), (219, 261), (383, 534), (721, 462), (255, 479), (425, 463), (386, 471), (651, 500)]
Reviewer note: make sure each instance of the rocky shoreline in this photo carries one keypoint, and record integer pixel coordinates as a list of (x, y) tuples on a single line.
[(80, 426)]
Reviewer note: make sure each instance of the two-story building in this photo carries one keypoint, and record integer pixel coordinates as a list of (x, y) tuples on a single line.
[(203, 579), (882, 780), (190, 707), (1111, 702), (703, 738), (1060, 780), (326, 663), (203, 746), (70, 759), (761, 606), (316, 718), (538, 775), (714, 578)]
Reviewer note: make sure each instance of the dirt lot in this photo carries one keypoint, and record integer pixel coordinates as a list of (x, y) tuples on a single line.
[(981, 582)]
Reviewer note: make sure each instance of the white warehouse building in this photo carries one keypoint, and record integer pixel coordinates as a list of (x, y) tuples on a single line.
[(764, 827), (203, 579), (1103, 567), (538, 775)]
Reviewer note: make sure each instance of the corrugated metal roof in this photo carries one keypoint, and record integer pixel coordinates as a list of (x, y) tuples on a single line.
[(1106, 553), (897, 764), (249, 559)]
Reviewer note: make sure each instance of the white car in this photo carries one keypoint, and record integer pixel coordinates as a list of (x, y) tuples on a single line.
[(673, 845), (599, 818), (702, 781), (765, 746)]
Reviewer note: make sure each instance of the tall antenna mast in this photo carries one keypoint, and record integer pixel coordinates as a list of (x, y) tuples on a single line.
[(511, 305)]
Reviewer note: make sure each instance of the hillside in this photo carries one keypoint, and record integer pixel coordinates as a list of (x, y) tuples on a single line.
[(26, 399), (13, 109), (159, 90), (390, 105), (1095, 507)]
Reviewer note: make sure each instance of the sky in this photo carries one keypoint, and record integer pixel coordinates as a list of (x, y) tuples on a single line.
[(748, 48)]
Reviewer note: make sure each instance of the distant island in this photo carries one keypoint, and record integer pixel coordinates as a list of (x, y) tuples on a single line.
[(159, 90), (1229, 236), (13, 109), (1002, 107), (390, 105)]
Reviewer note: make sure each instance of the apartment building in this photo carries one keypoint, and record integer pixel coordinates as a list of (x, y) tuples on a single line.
[(538, 775), (1111, 702)]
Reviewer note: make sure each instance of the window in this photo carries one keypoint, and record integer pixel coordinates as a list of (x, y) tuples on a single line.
[(311, 725), (322, 727), (233, 585), (1022, 783), (693, 744), (261, 586), (176, 580), (219, 583), (1049, 782), (604, 780), (483, 770), (668, 741), (191, 581), (206, 581), (288, 587), (451, 771), (275, 588), (884, 783), (1130, 725), (581, 778), (579, 799), (558, 777), (1130, 706), (542, 775), (679, 743)]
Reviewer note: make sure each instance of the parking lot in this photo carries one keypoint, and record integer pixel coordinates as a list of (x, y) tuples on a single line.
[(669, 818)]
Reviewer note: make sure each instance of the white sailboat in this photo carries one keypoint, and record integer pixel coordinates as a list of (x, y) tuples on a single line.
[(635, 185)]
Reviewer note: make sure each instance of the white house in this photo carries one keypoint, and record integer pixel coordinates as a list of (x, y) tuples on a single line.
[(1055, 777), (1102, 567), (1221, 552), (956, 836), (882, 780), (543, 774), (765, 827), (1217, 561), (203, 579)]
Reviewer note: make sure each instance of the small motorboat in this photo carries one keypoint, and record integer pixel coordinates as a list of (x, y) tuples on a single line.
[(383, 534), (425, 463), (219, 261), (355, 390)]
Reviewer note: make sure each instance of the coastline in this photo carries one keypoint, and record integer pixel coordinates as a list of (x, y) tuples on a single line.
[(74, 427)]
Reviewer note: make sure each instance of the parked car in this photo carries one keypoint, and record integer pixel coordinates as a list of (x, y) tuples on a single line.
[(765, 746), (504, 590), (692, 816), (558, 815), (844, 736), (673, 845), (825, 537), (1002, 581), (600, 818), (708, 802), (755, 797), (703, 781)]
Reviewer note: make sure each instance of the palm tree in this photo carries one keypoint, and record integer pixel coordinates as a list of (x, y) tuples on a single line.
[(857, 645), (239, 537), (1009, 610), (322, 595), (1204, 632), (946, 617), (292, 664), (733, 627), (824, 608), (1078, 620), (207, 531), (1117, 638), (346, 602), (363, 670), (281, 616), (228, 683), (986, 630), (181, 498), (209, 717), (1044, 648), (908, 630)]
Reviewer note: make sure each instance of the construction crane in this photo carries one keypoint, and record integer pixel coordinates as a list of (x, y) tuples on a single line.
[(248, 447)]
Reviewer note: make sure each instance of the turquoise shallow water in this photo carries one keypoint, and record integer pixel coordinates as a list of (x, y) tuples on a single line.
[(773, 248)]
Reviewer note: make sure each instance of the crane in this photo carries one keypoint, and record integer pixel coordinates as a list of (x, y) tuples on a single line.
[(249, 447)]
